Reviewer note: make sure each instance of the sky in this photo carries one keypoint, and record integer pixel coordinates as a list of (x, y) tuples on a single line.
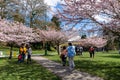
[(52, 4)]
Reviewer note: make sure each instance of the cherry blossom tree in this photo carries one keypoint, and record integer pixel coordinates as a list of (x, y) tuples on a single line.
[(92, 41), (95, 41), (56, 37), (75, 11), (14, 32)]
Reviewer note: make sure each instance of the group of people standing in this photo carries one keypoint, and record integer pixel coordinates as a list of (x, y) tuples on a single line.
[(24, 50), (69, 52), (79, 50)]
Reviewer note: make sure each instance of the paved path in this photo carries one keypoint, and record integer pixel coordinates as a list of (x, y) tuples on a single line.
[(63, 72)]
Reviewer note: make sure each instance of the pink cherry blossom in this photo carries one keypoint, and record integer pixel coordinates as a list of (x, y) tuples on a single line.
[(74, 11), (95, 41)]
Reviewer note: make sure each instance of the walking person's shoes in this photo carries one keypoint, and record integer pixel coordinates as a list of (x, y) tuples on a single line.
[(71, 69)]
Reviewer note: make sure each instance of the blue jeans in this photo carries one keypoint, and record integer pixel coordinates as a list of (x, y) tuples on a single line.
[(71, 62)]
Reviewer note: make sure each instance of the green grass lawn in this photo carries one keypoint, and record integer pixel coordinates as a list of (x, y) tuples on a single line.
[(105, 65), (11, 70), (6, 51)]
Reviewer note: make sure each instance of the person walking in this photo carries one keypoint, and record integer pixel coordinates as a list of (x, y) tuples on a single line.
[(71, 54), (63, 55)]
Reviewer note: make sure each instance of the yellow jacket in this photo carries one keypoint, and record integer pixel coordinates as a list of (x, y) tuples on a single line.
[(23, 50)]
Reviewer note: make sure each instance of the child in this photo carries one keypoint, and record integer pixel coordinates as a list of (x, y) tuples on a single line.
[(20, 58), (63, 55)]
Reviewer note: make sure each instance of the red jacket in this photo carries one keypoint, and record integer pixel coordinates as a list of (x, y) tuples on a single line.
[(91, 49)]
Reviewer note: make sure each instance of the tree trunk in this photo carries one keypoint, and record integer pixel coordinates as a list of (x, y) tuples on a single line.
[(31, 23), (49, 46), (46, 45), (58, 48), (11, 47)]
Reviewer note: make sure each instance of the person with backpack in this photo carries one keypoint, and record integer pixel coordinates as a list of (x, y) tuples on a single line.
[(71, 53)]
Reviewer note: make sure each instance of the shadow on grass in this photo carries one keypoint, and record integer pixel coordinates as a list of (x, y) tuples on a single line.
[(109, 71), (113, 56), (1, 58), (22, 71)]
